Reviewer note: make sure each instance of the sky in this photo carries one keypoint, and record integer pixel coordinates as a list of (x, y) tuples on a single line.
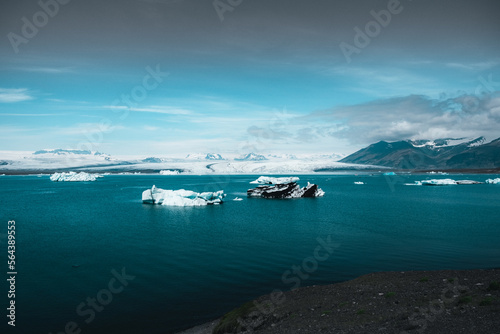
[(170, 77)]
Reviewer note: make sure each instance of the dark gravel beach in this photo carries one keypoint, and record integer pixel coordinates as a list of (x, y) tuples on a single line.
[(446, 301)]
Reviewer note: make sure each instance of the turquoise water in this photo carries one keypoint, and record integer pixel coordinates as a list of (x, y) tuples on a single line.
[(193, 264)]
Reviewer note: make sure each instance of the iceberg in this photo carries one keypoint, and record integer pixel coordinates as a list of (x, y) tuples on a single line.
[(390, 173), (444, 182), (181, 197), (237, 199), (287, 190), (275, 180), (74, 177), (493, 181), (358, 182), (169, 172)]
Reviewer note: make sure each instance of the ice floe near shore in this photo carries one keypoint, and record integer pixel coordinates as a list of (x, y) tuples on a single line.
[(181, 197), (169, 172), (444, 182), (74, 177), (286, 190), (493, 181), (275, 180)]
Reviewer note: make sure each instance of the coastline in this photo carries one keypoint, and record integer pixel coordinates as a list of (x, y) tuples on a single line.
[(492, 171), (441, 301)]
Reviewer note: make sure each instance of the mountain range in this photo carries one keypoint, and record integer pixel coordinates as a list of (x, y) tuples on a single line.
[(447, 153)]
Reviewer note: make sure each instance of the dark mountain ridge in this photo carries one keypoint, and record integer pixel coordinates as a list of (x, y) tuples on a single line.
[(448, 153)]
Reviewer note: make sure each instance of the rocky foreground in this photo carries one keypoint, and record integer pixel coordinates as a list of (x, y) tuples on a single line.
[(445, 301)]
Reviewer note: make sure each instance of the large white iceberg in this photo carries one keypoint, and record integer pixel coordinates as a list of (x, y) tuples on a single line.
[(275, 180), (444, 182), (181, 197), (493, 181), (73, 177)]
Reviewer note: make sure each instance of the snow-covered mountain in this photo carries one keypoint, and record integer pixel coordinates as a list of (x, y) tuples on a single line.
[(68, 153), (447, 142), (251, 157), (204, 156), (448, 153), (153, 160)]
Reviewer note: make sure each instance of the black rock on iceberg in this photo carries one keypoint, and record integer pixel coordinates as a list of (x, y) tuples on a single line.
[(286, 190)]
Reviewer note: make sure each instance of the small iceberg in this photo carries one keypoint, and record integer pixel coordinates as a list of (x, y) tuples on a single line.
[(238, 199), (493, 181), (390, 174), (275, 180), (169, 172), (358, 182), (288, 190), (181, 197), (74, 177), (444, 182)]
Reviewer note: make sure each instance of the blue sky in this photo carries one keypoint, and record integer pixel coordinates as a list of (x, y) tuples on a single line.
[(270, 77)]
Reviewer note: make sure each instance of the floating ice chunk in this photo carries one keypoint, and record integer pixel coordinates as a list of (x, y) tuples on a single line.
[(287, 190), (468, 182), (444, 182), (493, 181), (181, 197), (275, 180), (390, 173), (238, 199), (169, 172), (358, 182), (73, 177)]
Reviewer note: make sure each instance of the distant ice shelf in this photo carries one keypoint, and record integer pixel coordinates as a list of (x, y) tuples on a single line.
[(74, 177), (181, 197)]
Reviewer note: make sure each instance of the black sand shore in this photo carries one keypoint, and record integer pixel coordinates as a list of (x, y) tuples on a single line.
[(445, 301)]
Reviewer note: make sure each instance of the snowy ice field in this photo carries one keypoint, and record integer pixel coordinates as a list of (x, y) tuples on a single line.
[(60, 160)]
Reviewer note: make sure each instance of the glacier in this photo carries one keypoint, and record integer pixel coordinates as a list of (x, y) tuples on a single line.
[(74, 177), (493, 181), (286, 190), (181, 197), (275, 180)]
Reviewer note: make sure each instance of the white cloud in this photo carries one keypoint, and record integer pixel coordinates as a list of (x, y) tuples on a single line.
[(12, 95), (170, 110), (344, 129)]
